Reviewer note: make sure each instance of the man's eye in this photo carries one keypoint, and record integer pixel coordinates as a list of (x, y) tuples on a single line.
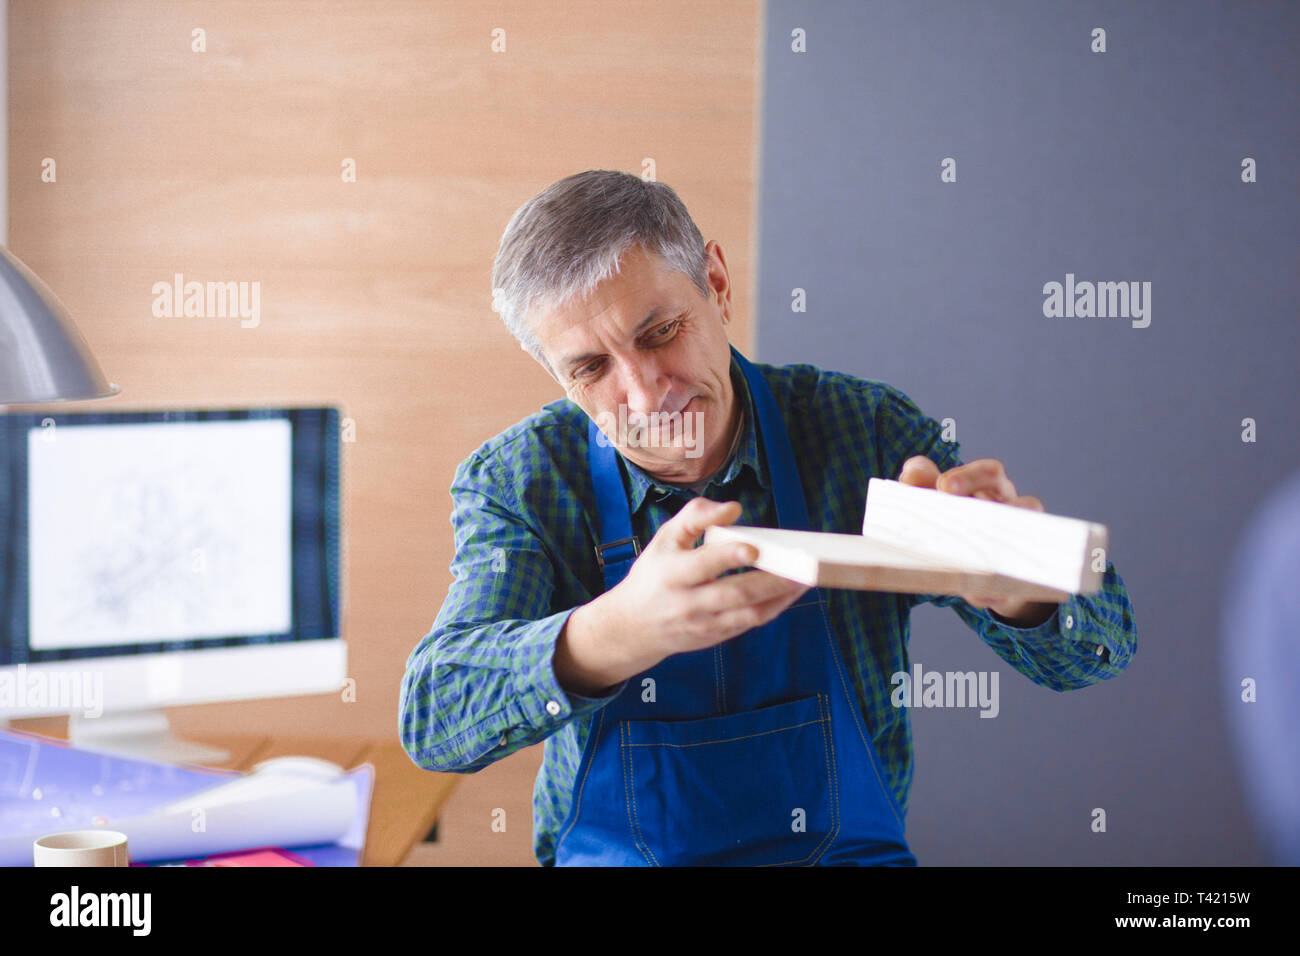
[(659, 332), (582, 372)]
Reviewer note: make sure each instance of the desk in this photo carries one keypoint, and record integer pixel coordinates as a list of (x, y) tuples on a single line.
[(403, 808)]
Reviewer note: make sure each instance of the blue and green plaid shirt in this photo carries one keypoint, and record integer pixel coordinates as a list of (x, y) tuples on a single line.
[(480, 684)]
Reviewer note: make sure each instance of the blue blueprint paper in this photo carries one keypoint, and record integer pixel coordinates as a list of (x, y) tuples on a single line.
[(48, 786)]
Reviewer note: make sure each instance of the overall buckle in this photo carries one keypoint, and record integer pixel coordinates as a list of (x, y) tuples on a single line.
[(600, 549)]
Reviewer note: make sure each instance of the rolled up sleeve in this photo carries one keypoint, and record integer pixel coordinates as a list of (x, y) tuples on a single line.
[(1088, 638), (481, 684)]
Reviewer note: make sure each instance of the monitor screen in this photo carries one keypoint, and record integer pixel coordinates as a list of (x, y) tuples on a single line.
[(144, 532)]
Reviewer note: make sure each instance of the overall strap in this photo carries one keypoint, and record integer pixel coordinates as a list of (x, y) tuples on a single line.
[(791, 509), (619, 548)]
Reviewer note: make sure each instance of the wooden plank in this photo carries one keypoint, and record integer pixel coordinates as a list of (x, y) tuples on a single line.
[(923, 541), (989, 537)]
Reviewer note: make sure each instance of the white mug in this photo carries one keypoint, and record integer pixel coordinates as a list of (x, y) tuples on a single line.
[(81, 848)]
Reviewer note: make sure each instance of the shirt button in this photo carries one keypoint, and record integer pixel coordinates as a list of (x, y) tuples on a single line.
[(1100, 650), (503, 740), (552, 707), (1069, 621)]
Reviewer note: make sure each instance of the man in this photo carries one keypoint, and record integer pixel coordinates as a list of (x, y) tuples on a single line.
[(693, 711)]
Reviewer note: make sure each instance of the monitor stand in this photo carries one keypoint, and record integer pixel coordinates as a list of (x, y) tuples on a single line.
[(143, 734)]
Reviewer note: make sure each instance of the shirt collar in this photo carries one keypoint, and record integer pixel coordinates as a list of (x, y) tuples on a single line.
[(746, 454)]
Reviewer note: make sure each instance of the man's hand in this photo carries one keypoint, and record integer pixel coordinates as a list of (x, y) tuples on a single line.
[(987, 479), (672, 600)]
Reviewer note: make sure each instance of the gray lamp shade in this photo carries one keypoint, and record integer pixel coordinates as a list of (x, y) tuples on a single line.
[(43, 357)]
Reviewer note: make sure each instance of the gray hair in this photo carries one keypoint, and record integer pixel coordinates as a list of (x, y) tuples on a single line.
[(568, 238)]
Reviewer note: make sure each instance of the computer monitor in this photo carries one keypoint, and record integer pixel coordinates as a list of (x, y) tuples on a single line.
[(159, 558)]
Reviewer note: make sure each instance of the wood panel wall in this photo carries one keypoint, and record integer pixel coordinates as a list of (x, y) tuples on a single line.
[(225, 165)]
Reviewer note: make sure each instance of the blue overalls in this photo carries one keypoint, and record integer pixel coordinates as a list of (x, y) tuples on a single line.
[(753, 752)]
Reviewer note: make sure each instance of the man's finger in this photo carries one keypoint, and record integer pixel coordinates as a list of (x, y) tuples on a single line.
[(986, 475), (710, 560), (743, 590), (686, 527), (919, 471), (755, 615)]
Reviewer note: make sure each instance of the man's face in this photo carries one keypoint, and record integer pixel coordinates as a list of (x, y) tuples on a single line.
[(647, 342)]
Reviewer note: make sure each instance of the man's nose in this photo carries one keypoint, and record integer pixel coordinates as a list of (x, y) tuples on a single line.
[(645, 385)]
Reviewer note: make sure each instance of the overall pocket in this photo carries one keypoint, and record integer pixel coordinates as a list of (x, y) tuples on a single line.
[(754, 788)]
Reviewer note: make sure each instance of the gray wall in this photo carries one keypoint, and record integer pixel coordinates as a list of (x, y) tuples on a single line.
[(1115, 166)]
